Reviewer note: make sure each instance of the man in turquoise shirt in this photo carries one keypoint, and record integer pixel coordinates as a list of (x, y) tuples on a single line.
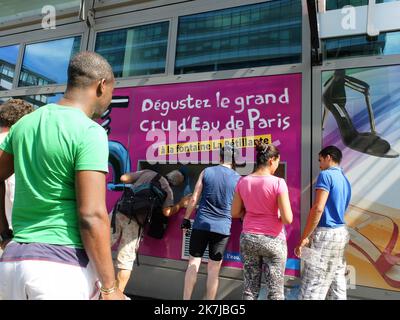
[(327, 231), (60, 248)]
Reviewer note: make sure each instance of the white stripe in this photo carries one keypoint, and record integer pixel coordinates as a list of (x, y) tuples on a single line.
[(119, 100)]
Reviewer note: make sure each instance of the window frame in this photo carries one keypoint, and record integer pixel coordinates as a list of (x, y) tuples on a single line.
[(38, 42), (107, 7), (106, 28), (40, 36), (324, 51), (236, 6), (17, 64), (32, 23), (106, 21)]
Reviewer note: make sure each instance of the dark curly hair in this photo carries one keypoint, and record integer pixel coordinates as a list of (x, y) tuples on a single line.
[(13, 110), (266, 152), (228, 154)]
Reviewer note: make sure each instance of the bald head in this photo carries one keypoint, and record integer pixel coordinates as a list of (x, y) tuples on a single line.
[(87, 67), (175, 178)]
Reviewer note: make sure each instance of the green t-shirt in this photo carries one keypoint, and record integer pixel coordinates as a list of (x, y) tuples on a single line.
[(49, 145)]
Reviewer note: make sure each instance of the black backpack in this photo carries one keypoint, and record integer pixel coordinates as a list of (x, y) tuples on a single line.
[(144, 203)]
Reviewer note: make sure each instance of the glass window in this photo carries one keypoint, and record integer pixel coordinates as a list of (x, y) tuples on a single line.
[(363, 120), (339, 4), (48, 61), (8, 60), (136, 51), (248, 36), (37, 100), (12, 10), (355, 46)]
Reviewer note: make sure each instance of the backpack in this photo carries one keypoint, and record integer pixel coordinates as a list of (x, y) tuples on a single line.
[(144, 204)]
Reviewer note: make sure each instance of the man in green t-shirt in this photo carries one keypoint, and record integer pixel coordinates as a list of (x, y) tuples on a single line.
[(59, 246)]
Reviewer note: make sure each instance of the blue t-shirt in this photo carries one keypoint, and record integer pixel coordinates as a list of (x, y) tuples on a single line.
[(214, 213), (335, 182)]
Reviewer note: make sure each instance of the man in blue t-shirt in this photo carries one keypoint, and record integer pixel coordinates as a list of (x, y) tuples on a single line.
[(324, 272)]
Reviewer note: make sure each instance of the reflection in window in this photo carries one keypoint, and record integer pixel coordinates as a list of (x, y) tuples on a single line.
[(339, 4), (3, 100), (38, 100), (345, 47), (47, 62), (8, 60), (136, 51), (248, 36)]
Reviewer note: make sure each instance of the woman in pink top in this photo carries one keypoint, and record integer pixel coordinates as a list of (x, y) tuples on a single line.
[(263, 200)]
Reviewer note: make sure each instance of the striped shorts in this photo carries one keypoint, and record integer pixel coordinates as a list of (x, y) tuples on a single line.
[(327, 279)]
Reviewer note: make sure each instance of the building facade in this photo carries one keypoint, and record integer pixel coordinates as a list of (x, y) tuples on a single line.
[(266, 66)]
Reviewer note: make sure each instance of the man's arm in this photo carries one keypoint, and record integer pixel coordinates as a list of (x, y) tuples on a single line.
[(94, 226), (321, 196), (183, 203), (186, 224), (6, 170), (130, 177)]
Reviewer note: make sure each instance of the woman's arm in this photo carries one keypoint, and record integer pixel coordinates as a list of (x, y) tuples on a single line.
[(195, 197), (238, 208), (284, 208)]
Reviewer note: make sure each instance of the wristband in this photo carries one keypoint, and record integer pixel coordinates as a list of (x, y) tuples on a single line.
[(106, 291)]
